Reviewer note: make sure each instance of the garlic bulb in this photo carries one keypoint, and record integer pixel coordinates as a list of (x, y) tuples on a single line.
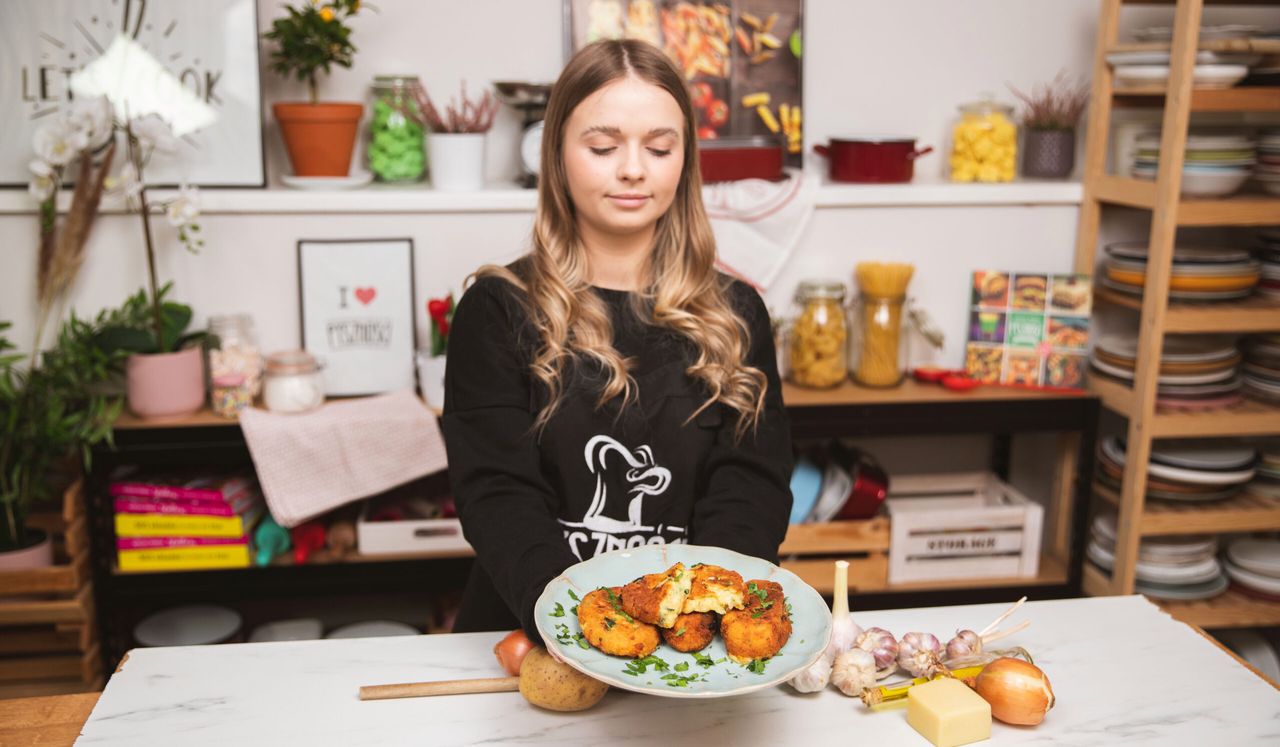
[(966, 643), (844, 631), (919, 653), (881, 644), (854, 671)]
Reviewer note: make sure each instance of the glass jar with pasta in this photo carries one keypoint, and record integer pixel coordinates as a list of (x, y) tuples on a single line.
[(879, 350), (819, 335)]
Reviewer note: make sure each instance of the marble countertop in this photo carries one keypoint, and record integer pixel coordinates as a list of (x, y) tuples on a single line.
[(1122, 670)]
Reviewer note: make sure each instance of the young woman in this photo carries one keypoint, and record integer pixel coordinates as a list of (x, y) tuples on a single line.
[(610, 388)]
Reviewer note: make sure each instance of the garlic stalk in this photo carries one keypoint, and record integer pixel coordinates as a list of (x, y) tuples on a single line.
[(854, 671), (844, 631), (881, 644), (919, 653)]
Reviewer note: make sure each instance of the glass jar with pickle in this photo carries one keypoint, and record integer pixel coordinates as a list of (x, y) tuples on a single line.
[(396, 149), (984, 143), (817, 343)]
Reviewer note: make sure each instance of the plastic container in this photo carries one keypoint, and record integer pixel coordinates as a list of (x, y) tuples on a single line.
[(396, 151), (232, 347), (984, 143), (817, 344)]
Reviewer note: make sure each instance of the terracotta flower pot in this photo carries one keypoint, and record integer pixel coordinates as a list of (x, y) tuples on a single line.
[(319, 137), (165, 385), (38, 554)]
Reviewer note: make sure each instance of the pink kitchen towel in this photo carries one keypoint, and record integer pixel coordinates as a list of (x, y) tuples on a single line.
[(346, 450)]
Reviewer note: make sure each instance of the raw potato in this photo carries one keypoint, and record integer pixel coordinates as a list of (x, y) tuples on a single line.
[(554, 686)]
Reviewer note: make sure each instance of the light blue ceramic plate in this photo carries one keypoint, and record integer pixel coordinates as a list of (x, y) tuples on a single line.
[(810, 621)]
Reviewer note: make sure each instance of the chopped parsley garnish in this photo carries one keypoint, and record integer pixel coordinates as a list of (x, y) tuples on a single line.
[(608, 623), (682, 666), (573, 596), (640, 666), (680, 680), (574, 609), (764, 595), (563, 636), (616, 604), (703, 660), (756, 666), (558, 611), (582, 643), (679, 632)]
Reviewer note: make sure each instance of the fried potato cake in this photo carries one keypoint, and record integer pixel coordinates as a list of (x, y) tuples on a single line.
[(611, 630), (692, 631), (715, 589), (658, 598), (762, 628)]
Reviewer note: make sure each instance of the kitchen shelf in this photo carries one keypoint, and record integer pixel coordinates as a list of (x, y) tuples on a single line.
[(1250, 418), (1238, 210), (1231, 609), (502, 198), (1259, 46), (1252, 314), (817, 573), (1246, 512), (1244, 99)]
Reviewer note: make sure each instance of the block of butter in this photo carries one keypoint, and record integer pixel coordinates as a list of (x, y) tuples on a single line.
[(948, 713)]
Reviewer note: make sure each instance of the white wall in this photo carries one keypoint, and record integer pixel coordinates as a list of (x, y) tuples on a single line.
[(899, 67)]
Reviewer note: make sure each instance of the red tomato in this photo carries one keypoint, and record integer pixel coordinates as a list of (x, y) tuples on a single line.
[(701, 94), (717, 113), (706, 133)]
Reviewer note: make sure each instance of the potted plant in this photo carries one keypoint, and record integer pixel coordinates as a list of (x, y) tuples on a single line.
[(311, 38), (52, 411), (1051, 113), (431, 366), (455, 145)]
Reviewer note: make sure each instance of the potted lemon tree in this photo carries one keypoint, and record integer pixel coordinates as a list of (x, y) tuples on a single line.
[(310, 39)]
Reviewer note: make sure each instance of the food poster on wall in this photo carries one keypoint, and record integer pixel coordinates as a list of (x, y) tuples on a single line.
[(1028, 329), (741, 59)]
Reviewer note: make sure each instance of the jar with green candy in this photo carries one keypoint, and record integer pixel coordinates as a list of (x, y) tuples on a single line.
[(396, 152)]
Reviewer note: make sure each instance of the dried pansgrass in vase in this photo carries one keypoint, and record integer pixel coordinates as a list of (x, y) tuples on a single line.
[(468, 117), (1057, 105)]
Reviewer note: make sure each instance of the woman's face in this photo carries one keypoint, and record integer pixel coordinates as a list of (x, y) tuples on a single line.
[(623, 154)]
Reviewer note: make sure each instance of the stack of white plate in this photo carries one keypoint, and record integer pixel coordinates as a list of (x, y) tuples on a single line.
[(1267, 171), (1200, 273), (1262, 367), (1202, 75), (1161, 57), (1207, 32), (1184, 471), (1196, 373), (1267, 482), (1215, 164), (1254, 567), (1168, 567), (1269, 255)]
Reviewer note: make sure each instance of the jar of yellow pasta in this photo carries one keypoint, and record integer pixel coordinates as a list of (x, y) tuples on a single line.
[(879, 351), (984, 143), (817, 344)]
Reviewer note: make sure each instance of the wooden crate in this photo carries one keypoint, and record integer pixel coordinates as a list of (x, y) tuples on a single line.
[(964, 525), (809, 551), (48, 633)]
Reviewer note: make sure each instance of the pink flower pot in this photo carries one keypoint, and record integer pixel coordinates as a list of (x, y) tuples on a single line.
[(39, 555), (165, 385)]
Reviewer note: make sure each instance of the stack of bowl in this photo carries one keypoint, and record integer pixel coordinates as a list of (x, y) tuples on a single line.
[(1196, 373), (1254, 567), (1262, 367), (1168, 567), (1267, 172), (1215, 164), (1200, 273), (1269, 255), (1184, 471), (1267, 481)]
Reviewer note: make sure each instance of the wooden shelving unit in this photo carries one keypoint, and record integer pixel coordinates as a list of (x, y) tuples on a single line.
[(1159, 316)]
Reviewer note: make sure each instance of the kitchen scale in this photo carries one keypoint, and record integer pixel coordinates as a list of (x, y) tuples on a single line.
[(530, 99)]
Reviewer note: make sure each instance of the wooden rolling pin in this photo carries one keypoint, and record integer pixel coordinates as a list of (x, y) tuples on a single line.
[(444, 687)]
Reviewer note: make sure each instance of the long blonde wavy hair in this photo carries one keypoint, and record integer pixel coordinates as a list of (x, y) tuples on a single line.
[(679, 288)]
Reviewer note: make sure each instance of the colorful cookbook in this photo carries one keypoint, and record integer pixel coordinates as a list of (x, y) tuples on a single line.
[(1029, 329)]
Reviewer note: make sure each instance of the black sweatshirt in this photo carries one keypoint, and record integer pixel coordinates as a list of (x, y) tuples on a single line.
[(531, 507)]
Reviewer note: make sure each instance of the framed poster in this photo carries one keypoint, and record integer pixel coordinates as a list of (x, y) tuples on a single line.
[(358, 312), (210, 46), (1029, 329), (740, 58)]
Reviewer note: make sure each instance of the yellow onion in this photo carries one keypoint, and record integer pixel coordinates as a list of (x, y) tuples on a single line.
[(511, 651), (1019, 693)]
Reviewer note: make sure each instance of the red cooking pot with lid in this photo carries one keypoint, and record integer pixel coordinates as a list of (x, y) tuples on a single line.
[(872, 160)]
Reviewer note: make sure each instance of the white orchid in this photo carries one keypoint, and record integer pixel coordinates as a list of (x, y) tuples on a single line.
[(95, 118), (154, 134), (185, 208), (44, 179), (126, 183), (59, 141)]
